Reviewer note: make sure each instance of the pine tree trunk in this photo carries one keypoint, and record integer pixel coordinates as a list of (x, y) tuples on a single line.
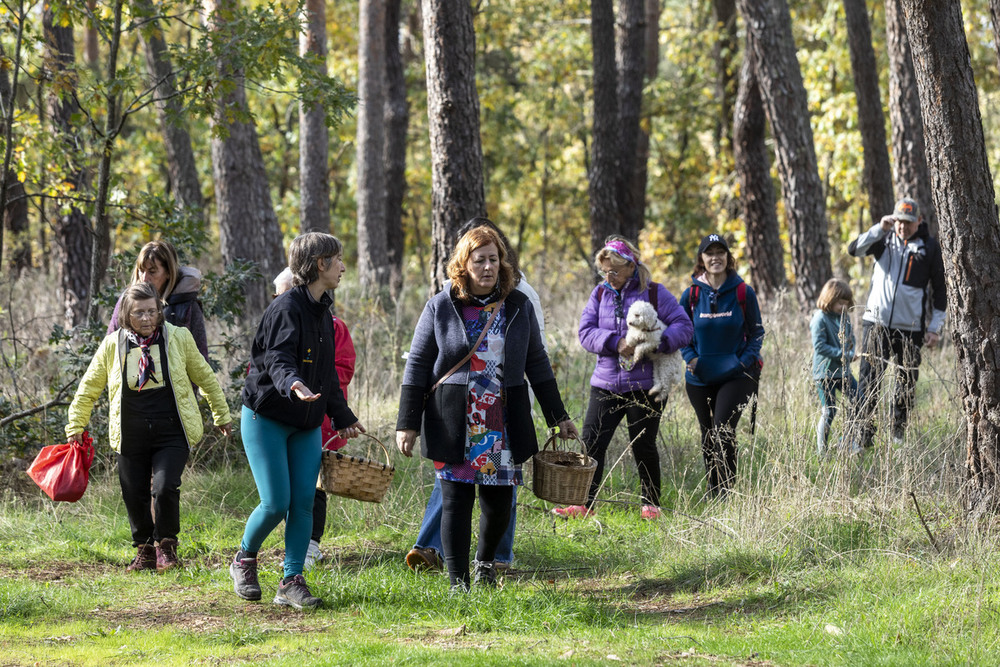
[(457, 192), (181, 166), (248, 226), (631, 71), (912, 176), (72, 229), (753, 166), (871, 118), (723, 53), (769, 31), (396, 119), (13, 198), (651, 62), (605, 165), (314, 137), (970, 231)]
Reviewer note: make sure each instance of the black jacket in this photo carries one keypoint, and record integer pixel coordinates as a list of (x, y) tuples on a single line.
[(294, 341), (439, 342)]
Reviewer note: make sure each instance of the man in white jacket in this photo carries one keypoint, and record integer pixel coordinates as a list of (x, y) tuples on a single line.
[(905, 311)]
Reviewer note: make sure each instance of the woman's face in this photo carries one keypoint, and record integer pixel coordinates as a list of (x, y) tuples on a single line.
[(618, 275), (331, 275), (483, 267), (155, 273), (145, 317), (715, 258)]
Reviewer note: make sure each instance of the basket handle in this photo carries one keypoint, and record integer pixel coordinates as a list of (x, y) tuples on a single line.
[(552, 441), (379, 443)]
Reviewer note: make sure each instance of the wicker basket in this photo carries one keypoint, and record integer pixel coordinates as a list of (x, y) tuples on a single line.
[(356, 477), (560, 476)]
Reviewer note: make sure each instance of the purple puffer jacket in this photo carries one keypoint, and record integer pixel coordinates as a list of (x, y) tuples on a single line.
[(600, 331)]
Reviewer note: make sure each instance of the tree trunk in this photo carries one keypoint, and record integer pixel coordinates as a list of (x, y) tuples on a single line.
[(723, 52), (753, 166), (13, 199), (995, 19), (769, 31), (373, 268), (912, 176), (314, 137), (72, 230), (184, 182), (99, 255), (871, 118), (605, 166), (631, 71), (396, 119), (651, 61), (248, 226), (457, 192), (966, 202)]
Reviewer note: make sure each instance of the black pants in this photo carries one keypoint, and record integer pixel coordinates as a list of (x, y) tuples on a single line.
[(152, 449), (881, 345), (457, 499), (718, 408), (319, 515), (604, 413)]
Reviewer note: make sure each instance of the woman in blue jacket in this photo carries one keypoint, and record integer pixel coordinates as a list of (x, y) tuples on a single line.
[(723, 359)]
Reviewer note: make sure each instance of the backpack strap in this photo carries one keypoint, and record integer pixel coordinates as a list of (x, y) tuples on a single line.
[(692, 300)]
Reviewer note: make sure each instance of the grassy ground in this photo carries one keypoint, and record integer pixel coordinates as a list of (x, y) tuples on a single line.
[(811, 562)]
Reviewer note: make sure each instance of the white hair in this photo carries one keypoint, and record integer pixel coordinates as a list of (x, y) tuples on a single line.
[(283, 281)]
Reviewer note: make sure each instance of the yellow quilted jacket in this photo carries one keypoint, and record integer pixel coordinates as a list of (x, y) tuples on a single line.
[(184, 361)]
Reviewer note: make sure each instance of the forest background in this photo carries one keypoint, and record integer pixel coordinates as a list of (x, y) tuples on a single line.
[(90, 137)]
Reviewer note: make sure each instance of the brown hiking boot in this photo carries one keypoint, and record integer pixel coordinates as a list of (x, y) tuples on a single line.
[(145, 559), (166, 555)]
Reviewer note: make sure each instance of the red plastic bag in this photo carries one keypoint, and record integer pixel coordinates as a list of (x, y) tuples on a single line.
[(62, 471)]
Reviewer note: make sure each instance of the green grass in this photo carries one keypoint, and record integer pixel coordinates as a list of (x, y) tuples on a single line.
[(810, 562)]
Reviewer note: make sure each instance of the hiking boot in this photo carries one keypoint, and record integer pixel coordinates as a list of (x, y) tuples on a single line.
[(313, 555), (145, 559), (649, 512), (484, 573), (166, 555), (574, 512), (424, 558), (244, 574), (296, 594)]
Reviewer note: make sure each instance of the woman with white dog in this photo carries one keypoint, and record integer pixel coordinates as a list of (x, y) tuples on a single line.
[(619, 386), (723, 359)]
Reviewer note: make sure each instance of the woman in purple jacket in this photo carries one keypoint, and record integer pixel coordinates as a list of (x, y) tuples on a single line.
[(618, 389)]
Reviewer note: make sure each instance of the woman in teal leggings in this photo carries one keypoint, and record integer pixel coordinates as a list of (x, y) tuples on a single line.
[(291, 384)]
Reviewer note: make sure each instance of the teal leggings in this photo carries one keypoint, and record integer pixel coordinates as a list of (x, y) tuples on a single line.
[(285, 463)]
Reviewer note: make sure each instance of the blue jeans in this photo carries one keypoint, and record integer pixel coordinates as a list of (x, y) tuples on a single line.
[(429, 536), (828, 388), (285, 462)]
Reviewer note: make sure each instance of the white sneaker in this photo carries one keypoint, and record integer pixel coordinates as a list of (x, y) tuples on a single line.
[(313, 555)]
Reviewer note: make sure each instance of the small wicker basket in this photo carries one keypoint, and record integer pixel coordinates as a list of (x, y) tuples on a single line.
[(356, 477), (561, 477)]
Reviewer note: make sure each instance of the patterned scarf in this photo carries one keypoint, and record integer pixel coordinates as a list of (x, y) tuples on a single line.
[(146, 365)]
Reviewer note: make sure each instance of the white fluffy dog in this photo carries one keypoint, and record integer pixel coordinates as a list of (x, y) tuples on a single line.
[(644, 331)]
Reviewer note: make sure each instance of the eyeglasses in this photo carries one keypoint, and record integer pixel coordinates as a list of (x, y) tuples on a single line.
[(145, 314), (608, 273)]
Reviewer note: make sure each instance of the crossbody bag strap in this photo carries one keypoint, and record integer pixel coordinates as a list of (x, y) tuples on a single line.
[(489, 323)]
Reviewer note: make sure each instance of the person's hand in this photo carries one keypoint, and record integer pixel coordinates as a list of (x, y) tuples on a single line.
[(567, 430), (352, 431), (932, 339), (405, 440), (887, 222), (76, 438), (225, 429), (693, 364), (624, 349), (303, 392)]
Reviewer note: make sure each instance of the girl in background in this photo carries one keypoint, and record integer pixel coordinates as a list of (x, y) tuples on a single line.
[(833, 351)]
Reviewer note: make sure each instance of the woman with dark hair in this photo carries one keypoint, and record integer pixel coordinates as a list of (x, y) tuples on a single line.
[(178, 287), (291, 384), (617, 388), (723, 359), (472, 405), (148, 366)]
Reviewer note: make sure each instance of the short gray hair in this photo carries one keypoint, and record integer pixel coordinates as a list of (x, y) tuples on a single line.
[(305, 250)]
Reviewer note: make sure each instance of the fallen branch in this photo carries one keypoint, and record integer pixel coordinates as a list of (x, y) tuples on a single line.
[(926, 528)]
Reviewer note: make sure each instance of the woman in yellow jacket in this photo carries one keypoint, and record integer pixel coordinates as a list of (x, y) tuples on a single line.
[(148, 366)]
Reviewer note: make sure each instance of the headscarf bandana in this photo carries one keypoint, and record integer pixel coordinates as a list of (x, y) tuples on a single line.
[(146, 365), (621, 250)]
